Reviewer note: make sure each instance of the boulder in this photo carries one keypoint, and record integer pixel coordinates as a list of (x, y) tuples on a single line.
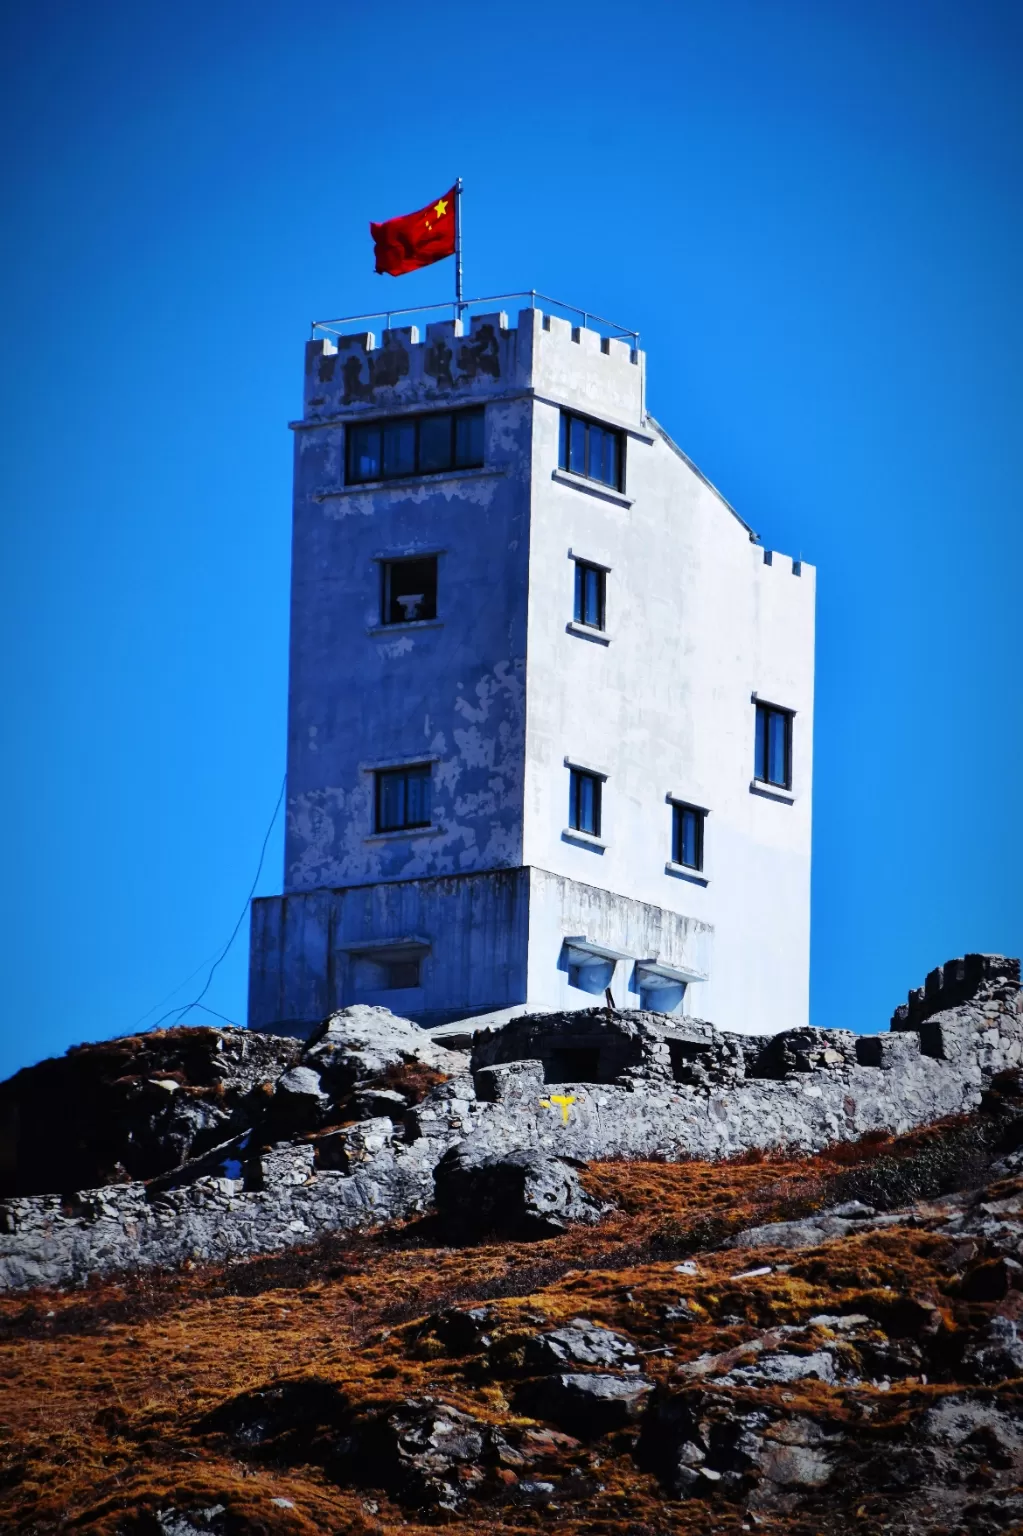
[(587, 1406), (359, 1044), (523, 1194), (579, 1344)]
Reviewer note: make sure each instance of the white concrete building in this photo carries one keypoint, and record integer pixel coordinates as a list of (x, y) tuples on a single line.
[(551, 702)]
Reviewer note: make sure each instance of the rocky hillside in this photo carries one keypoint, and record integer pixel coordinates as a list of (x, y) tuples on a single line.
[(814, 1344), (612, 1271)]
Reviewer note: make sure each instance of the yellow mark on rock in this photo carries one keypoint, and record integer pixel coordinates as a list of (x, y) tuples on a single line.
[(562, 1100)]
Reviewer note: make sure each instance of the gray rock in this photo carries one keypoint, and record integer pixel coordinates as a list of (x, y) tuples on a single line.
[(808, 1233), (578, 1344), (372, 1103), (521, 1194), (587, 1406), (799, 1466), (780, 1368), (359, 1043), (196, 1522), (998, 1354)]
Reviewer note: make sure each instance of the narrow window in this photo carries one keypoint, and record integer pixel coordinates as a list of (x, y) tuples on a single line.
[(469, 440), (584, 802), (590, 583), (774, 746), (364, 453), (435, 447), (408, 590), (687, 836), (403, 798), (586, 448), (399, 448)]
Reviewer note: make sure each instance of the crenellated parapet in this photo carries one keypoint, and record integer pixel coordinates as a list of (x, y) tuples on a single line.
[(357, 375)]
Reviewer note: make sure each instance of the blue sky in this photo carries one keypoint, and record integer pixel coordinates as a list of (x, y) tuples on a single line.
[(811, 212)]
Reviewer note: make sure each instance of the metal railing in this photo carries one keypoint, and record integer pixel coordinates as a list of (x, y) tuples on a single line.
[(459, 307)]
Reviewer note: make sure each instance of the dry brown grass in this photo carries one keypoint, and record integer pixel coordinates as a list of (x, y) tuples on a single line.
[(103, 1390)]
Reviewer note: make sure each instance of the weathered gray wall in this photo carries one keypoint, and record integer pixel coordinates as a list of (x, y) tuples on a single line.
[(361, 695), (305, 948)]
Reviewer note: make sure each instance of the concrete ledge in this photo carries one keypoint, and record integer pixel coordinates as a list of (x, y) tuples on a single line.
[(583, 840), (403, 483), (591, 487), (382, 837), (587, 632), (391, 629), (772, 792), (683, 872)]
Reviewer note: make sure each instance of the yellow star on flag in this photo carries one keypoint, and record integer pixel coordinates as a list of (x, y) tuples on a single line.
[(440, 208)]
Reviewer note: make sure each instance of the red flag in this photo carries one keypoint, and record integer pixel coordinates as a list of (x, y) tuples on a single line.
[(416, 239)]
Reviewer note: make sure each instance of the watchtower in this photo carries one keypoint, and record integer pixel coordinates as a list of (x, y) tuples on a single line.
[(550, 703)]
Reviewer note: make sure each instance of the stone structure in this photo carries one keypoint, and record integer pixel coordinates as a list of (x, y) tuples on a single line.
[(641, 1085), (509, 581)]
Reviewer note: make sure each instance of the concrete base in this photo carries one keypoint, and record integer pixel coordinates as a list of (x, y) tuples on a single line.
[(468, 947)]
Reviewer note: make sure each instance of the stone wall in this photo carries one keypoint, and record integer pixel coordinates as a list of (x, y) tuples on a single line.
[(639, 1085)]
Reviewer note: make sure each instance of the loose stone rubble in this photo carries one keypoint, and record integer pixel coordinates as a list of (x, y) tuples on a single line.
[(284, 1142)]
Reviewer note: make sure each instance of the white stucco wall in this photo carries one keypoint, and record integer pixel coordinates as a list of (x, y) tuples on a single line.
[(697, 623)]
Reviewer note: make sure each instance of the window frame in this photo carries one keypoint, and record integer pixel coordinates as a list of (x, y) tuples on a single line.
[(762, 745), (582, 569), (679, 809), (589, 423), (380, 423), (387, 564), (577, 777), (424, 772)]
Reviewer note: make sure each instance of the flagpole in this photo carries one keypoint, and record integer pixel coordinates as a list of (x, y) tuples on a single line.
[(458, 248)]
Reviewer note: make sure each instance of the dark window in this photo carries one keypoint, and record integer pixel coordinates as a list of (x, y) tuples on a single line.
[(587, 448), (415, 445), (584, 802), (400, 973), (774, 746), (687, 836), (408, 590), (590, 583), (403, 798)]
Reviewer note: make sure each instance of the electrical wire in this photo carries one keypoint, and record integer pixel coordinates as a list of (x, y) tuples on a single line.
[(198, 1003), (173, 991)]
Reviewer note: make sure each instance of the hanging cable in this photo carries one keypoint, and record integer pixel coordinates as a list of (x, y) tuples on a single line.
[(180, 1012)]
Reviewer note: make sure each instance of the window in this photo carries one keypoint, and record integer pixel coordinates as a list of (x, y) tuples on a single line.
[(403, 798), (400, 973), (408, 590), (415, 445), (774, 746), (584, 802), (687, 836), (590, 582), (386, 972), (591, 450)]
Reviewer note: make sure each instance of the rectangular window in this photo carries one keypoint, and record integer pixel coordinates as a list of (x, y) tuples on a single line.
[(415, 445), (386, 973), (590, 582), (408, 590), (687, 836), (403, 798), (400, 973), (774, 746), (587, 448), (584, 802)]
